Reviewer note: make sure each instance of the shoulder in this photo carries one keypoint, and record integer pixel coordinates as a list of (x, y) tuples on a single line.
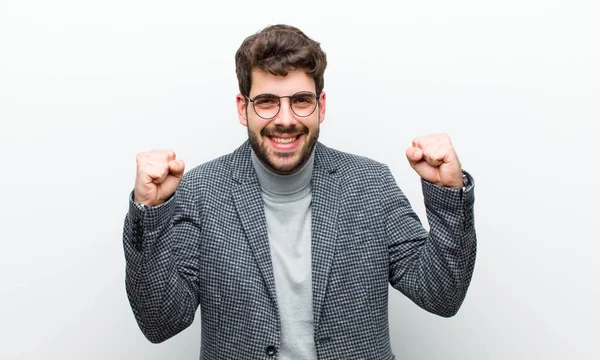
[(349, 165), (214, 172)]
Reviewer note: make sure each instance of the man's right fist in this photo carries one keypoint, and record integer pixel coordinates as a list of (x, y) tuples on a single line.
[(158, 175)]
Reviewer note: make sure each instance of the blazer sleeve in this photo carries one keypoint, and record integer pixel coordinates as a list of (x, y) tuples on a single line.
[(434, 268), (161, 277)]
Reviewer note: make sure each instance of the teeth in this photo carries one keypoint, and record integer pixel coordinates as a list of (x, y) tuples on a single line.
[(284, 141)]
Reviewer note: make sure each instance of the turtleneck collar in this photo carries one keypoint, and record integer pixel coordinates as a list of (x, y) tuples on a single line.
[(278, 184)]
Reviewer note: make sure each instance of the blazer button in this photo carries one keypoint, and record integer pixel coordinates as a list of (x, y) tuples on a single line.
[(271, 350)]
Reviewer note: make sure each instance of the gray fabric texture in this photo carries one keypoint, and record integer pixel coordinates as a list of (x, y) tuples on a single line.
[(208, 247), (287, 213)]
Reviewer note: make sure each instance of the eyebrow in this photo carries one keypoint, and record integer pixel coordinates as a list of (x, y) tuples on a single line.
[(277, 96)]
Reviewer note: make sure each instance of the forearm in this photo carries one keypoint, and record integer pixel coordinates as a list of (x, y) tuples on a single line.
[(434, 269), (446, 260), (162, 299)]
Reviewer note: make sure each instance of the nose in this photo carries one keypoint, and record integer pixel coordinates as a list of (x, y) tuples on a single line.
[(286, 116)]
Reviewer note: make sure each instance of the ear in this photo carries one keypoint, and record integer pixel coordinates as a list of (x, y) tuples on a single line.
[(322, 106), (242, 109)]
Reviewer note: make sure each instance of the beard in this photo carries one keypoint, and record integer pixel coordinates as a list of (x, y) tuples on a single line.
[(269, 157)]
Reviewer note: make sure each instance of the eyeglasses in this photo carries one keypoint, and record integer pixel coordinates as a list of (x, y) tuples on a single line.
[(267, 106)]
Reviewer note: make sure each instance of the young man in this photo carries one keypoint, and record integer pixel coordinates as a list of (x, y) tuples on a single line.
[(286, 245)]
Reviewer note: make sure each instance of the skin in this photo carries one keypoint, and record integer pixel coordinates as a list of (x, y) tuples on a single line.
[(158, 175), (159, 171), (281, 158), (433, 157)]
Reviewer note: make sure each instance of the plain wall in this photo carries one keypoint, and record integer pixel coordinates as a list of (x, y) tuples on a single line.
[(86, 85)]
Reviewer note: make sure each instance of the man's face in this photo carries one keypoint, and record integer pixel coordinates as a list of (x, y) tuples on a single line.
[(285, 142)]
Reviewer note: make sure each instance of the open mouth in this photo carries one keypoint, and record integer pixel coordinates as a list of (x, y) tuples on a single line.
[(286, 142)]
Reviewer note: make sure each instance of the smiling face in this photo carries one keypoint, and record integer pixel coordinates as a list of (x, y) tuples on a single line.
[(285, 142)]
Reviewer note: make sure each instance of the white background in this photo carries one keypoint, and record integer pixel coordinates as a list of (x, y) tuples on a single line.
[(86, 85)]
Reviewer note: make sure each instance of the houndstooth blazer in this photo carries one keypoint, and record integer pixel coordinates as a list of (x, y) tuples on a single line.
[(207, 246)]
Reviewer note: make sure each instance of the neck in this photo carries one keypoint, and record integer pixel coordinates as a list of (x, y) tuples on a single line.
[(280, 184)]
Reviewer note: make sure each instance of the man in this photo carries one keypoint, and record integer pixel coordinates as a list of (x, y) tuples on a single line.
[(286, 245)]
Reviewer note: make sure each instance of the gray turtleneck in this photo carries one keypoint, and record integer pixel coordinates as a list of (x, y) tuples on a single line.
[(287, 209)]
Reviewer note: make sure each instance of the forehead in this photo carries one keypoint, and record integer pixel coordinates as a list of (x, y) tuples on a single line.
[(293, 82)]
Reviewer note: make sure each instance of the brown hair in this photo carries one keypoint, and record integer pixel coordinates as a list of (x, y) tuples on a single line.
[(279, 49)]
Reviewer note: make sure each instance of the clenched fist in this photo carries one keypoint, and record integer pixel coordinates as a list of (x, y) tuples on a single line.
[(158, 175), (434, 159)]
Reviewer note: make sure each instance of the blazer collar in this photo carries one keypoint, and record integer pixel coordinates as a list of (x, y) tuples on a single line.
[(243, 170), (325, 205)]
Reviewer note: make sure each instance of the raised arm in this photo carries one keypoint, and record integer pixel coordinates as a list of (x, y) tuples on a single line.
[(434, 268), (160, 230)]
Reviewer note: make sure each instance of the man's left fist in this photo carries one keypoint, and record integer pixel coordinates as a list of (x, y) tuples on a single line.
[(434, 159)]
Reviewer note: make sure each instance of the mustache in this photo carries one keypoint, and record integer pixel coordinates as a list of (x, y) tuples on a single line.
[(274, 131)]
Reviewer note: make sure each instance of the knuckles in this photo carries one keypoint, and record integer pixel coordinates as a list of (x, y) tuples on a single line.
[(154, 164), (431, 139), (155, 157), (436, 148), (435, 145)]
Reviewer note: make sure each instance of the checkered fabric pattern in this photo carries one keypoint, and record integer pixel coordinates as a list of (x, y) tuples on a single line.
[(207, 246)]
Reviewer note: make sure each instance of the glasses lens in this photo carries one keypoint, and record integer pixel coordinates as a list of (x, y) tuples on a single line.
[(266, 106), (303, 104)]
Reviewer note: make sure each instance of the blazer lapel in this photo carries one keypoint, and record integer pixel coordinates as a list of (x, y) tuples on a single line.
[(324, 209), (325, 195), (249, 204)]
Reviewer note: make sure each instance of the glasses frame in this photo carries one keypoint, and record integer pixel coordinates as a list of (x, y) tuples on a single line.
[(279, 105)]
